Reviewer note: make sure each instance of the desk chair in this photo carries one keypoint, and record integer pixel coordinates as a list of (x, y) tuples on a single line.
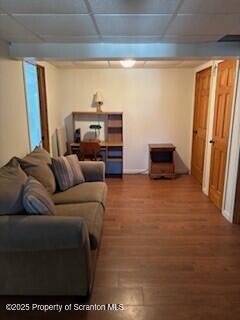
[(89, 150)]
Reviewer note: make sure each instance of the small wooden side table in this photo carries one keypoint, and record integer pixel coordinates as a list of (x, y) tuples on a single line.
[(161, 161)]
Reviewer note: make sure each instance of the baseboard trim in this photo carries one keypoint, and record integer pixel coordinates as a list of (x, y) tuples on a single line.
[(146, 171), (135, 171), (227, 216), (205, 191)]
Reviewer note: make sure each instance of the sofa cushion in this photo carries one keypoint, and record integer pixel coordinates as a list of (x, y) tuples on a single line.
[(40, 170), (39, 154), (36, 199), (12, 180), (92, 214), (67, 171), (85, 192)]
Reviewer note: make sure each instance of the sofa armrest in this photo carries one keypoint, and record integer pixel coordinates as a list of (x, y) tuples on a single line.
[(44, 255), (93, 170), (37, 233)]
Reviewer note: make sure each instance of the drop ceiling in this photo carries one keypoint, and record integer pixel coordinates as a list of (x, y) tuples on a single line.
[(118, 21), (116, 64)]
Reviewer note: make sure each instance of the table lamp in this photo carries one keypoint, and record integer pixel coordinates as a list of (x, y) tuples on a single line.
[(99, 101)]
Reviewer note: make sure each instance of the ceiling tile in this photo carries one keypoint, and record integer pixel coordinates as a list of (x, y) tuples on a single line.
[(60, 25), (174, 64), (117, 64), (62, 64), (43, 6), (156, 64), (210, 6), (190, 38), (162, 64), (132, 25), (192, 63), (133, 39), (188, 24), (91, 64), (134, 6), (71, 39), (11, 31)]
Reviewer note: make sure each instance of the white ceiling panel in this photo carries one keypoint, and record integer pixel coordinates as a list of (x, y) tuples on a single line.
[(192, 64), (187, 24), (210, 6), (43, 6), (133, 6), (155, 64), (132, 25), (117, 64), (91, 64), (136, 39), (162, 64), (62, 64), (10, 30), (59, 25), (70, 39)]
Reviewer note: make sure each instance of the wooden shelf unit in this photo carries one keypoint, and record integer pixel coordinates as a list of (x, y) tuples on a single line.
[(112, 147)]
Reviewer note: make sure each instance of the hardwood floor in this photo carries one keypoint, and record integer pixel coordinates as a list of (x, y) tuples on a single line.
[(166, 253)]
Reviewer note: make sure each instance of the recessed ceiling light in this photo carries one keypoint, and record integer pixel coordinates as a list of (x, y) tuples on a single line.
[(128, 63)]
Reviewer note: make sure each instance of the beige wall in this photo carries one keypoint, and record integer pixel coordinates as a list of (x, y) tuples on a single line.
[(13, 120), (14, 137), (157, 106)]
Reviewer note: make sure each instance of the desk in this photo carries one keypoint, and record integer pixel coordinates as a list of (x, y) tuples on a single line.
[(112, 147), (112, 154)]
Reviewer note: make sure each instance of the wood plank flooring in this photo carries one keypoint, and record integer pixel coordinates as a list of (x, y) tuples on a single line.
[(167, 253)]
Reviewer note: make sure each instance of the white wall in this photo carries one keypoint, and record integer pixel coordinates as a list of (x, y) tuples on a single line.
[(13, 120), (157, 105)]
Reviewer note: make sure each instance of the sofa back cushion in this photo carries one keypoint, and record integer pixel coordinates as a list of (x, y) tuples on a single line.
[(38, 165), (67, 171), (36, 199), (40, 171), (12, 180), (39, 154)]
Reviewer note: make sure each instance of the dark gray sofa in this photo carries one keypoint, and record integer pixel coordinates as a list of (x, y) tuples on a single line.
[(55, 255)]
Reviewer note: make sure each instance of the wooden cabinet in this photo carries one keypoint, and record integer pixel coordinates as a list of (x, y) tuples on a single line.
[(161, 160)]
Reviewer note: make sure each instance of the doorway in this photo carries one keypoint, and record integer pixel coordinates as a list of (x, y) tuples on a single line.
[(35, 88)]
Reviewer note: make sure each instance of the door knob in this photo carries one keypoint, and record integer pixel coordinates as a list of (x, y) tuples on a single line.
[(212, 141), (195, 131)]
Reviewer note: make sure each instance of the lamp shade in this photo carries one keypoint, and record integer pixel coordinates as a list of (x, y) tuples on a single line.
[(99, 98)]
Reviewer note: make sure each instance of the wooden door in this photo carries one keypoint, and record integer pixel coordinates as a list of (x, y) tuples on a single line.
[(202, 89), (43, 107), (221, 125)]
